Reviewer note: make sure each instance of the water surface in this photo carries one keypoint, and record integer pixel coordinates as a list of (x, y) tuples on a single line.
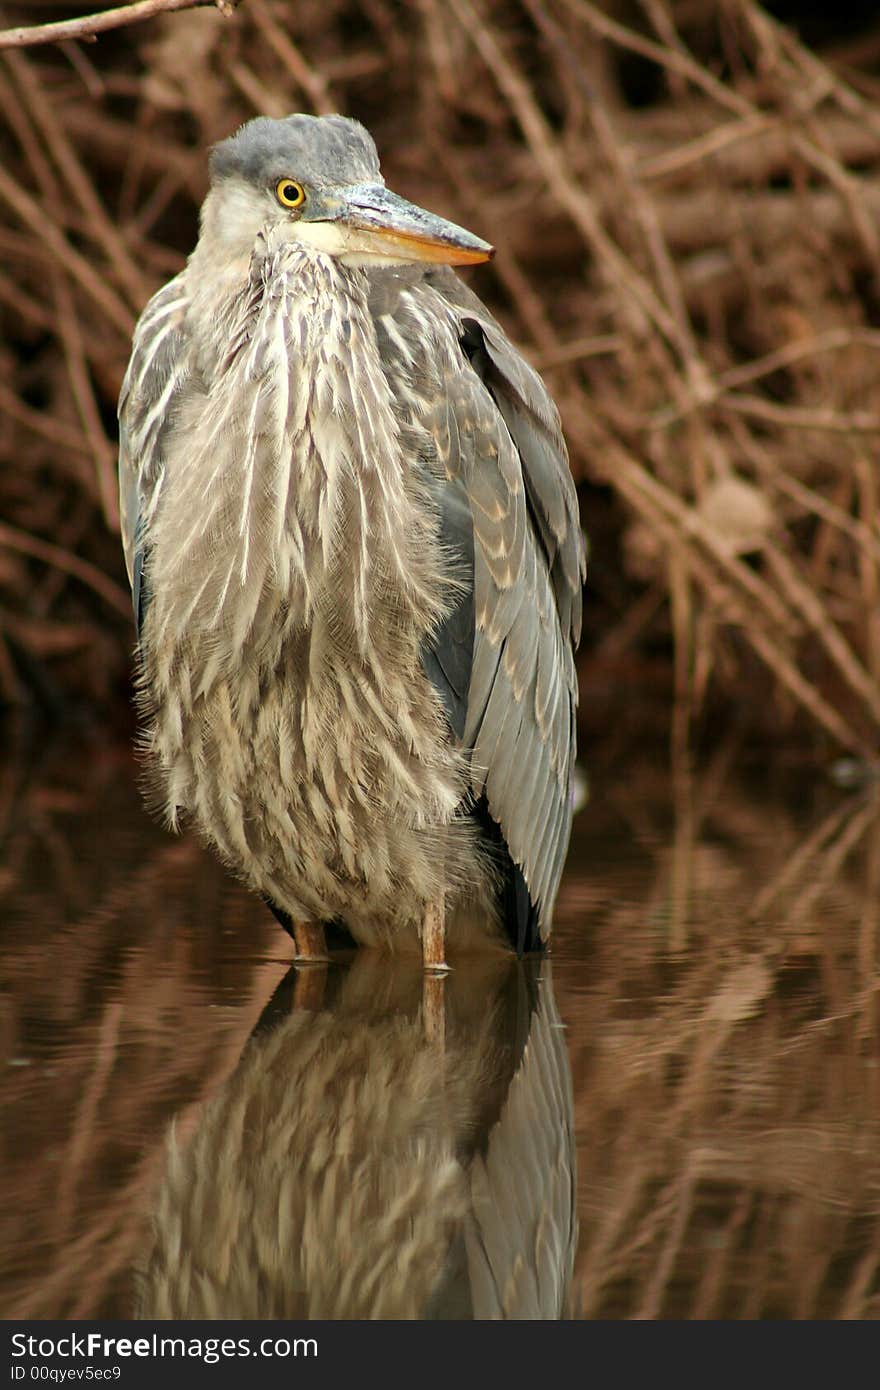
[(677, 1115)]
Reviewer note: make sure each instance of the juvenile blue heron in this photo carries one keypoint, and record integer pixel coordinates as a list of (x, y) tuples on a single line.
[(355, 556)]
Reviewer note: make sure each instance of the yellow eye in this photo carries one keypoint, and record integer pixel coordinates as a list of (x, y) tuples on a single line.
[(289, 193)]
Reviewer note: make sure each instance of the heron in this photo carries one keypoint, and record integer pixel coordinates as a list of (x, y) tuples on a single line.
[(356, 561)]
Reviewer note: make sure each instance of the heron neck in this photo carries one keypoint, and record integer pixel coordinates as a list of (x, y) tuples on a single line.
[(290, 505)]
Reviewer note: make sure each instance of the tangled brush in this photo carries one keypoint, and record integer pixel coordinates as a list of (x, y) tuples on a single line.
[(685, 198)]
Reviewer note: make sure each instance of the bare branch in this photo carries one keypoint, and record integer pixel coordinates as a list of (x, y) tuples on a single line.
[(88, 26), (13, 539)]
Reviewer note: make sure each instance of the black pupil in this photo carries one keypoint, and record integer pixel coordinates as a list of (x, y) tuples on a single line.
[(290, 192)]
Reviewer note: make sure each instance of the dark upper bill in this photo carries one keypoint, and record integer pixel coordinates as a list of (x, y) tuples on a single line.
[(390, 226)]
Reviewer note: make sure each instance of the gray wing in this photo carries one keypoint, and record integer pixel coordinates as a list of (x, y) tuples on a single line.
[(499, 440), (157, 373)]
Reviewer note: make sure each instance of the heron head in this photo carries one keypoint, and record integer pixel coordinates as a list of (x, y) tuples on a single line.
[(318, 177)]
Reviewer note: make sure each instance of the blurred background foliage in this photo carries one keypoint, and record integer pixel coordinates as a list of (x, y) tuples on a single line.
[(684, 195)]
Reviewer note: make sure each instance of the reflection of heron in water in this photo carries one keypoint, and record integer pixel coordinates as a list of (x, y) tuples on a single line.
[(349, 1170)]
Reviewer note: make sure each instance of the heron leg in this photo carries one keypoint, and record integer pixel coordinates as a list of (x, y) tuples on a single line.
[(310, 942), (434, 939), (436, 970)]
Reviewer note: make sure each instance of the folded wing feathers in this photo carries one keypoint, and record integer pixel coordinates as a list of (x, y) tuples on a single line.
[(500, 433)]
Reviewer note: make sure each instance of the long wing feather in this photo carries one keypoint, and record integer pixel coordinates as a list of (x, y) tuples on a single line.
[(497, 434)]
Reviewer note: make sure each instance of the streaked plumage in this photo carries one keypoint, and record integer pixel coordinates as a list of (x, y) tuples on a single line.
[(356, 561)]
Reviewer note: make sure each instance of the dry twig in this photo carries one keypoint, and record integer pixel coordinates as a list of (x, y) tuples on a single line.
[(687, 247), (87, 27)]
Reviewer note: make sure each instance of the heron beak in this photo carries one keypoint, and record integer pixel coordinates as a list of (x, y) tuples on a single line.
[(380, 224)]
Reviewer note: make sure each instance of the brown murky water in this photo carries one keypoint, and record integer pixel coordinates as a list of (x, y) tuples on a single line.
[(679, 1116)]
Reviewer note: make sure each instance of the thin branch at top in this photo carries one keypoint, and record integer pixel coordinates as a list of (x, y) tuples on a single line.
[(90, 25)]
